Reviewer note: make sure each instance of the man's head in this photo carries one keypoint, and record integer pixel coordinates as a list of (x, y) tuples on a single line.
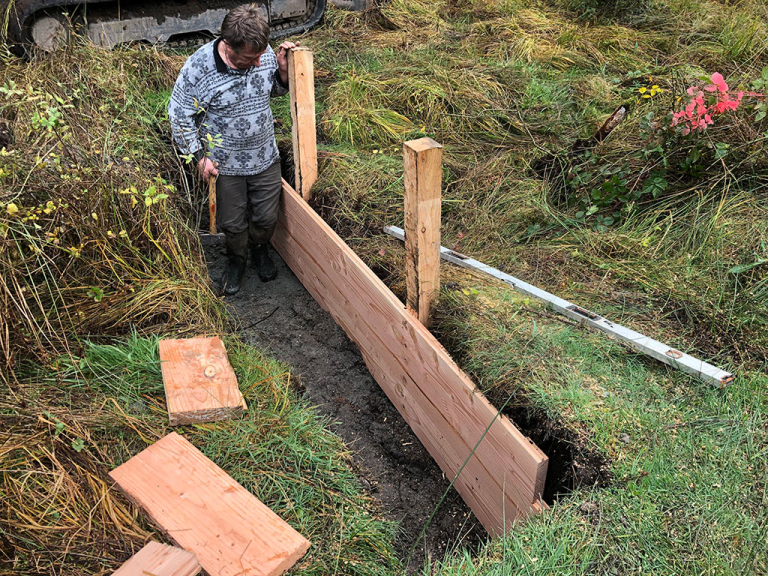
[(246, 34)]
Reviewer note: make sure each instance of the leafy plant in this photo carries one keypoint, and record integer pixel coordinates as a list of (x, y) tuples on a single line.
[(761, 108)]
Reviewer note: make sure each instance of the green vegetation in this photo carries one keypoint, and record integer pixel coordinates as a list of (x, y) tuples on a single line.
[(93, 240), (502, 84), (661, 231), (96, 262), (683, 497), (92, 413)]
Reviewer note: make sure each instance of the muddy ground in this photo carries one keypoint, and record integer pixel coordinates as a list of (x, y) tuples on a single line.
[(283, 319)]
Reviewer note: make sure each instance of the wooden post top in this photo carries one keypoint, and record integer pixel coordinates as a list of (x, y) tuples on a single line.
[(300, 49), (422, 144)]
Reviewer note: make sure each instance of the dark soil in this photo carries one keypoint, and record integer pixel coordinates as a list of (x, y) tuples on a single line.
[(572, 464), (283, 319)]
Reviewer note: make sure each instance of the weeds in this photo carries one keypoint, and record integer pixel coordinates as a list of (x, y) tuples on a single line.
[(500, 84), (91, 413), (682, 261), (92, 238)]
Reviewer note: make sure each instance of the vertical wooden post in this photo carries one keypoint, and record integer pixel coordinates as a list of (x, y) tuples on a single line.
[(422, 160), (301, 79)]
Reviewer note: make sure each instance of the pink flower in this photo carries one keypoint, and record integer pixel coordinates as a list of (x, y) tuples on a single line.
[(718, 83), (697, 114)]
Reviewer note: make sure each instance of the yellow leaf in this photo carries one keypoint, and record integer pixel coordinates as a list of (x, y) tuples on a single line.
[(94, 216), (12, 208)]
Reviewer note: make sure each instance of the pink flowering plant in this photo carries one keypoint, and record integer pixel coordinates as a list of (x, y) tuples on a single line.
[(706, 103), (684, 146)]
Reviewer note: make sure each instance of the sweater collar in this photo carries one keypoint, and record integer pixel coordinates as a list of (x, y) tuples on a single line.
[(220, 64)]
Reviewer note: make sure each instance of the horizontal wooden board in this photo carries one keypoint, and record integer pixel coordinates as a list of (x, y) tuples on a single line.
[(200, 385), (160, 560), (203, 510), (504, 478)]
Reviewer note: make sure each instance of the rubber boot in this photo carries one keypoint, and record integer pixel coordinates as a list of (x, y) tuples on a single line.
[(265, 267), (237, 252)]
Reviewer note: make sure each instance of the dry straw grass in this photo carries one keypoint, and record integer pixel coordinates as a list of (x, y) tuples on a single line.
[(92, 239), (60, 514)]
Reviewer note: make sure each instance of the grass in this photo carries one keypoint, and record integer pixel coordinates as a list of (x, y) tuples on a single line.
[(93, 233), (94, 412), (98, 259), (688, 494), (500, 84), (457, 74)]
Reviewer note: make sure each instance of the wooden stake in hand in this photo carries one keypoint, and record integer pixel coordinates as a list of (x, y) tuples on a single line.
[(301, 80), (212, 203)]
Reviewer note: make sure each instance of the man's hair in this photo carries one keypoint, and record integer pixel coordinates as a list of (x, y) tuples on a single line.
[(245, 26)]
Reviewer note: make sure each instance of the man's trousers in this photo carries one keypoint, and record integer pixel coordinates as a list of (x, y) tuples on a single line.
[(249, 203)]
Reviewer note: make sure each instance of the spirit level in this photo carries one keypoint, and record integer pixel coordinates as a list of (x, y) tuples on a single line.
[(654, 348)]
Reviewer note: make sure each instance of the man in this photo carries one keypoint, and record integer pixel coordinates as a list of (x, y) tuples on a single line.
[(220, 114)]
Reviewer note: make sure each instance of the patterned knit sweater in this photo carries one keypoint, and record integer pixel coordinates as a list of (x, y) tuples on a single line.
[(224, 113)]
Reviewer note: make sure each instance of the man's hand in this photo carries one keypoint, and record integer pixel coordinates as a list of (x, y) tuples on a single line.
[(282, 59), (207, 168)]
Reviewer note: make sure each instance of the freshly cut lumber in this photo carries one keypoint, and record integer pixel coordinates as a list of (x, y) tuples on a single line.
[(200, 385), (504, 478), (203, 510), (423, 171), (301, 82), (160, 560)]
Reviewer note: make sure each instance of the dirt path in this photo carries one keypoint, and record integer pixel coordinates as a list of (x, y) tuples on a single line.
[(282, 318)]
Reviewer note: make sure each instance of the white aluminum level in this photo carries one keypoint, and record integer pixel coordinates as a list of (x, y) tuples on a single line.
[(699, 368)]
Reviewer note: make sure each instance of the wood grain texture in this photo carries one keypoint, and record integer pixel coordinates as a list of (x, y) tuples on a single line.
[(301, 82), (203, 510), (422, 160), (212, 204), (200, 385), (160, 560), (504, 478)]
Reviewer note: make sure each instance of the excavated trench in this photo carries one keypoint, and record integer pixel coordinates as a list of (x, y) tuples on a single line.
[(283, 319)]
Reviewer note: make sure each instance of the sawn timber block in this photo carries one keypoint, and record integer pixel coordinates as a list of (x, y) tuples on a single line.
[(200, 385), (160, 560), (203, 510)]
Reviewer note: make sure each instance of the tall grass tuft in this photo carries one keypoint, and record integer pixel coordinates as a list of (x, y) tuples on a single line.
[(92, 234)]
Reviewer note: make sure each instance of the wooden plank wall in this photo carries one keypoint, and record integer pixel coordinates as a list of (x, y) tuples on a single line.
[(504, 478)]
